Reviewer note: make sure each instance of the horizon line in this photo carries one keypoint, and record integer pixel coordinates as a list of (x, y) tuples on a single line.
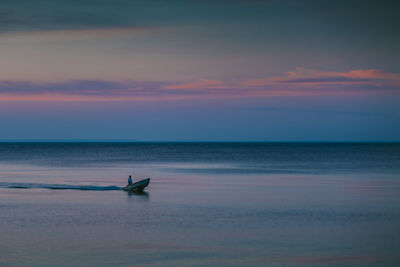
[(186, 141)]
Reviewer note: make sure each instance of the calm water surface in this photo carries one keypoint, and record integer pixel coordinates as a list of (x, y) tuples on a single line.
[(217, 204)]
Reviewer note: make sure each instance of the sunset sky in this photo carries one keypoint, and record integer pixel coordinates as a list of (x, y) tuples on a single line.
[(221, 70)]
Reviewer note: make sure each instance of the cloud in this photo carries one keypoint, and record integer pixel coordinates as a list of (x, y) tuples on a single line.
[(84, 90), (302, 82), (103, 90), (81, 87), (26, 15), (335, 259), (59, 15), (314, 78), (202, 84), (78, 34)]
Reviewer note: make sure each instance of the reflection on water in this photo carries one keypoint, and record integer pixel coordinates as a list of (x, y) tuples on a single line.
[(143, 195)]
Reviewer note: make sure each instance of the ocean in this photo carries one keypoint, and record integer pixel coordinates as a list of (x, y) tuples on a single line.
[(208, 204)]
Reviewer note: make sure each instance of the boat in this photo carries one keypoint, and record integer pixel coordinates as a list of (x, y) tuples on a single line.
[(138, 186)]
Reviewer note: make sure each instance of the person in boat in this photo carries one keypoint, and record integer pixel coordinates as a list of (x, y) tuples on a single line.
[(130, 180)]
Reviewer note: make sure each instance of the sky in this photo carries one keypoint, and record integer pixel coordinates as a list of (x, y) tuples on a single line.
[(186, 70)]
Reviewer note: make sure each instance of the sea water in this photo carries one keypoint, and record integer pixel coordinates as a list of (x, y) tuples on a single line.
[(208, 204)]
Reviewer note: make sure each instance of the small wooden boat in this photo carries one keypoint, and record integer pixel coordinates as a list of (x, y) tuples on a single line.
[(138, 186)]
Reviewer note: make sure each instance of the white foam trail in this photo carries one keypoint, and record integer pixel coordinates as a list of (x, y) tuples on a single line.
[(59, 186)]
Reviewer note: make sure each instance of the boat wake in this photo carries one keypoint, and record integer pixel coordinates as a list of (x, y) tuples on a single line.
[(59, 186)]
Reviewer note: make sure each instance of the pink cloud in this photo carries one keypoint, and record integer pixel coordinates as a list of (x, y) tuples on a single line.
[(315, 78), (301, 82), (202, 84)]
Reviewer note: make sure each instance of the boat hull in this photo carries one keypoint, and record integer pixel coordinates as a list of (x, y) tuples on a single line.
[(138, 186)]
